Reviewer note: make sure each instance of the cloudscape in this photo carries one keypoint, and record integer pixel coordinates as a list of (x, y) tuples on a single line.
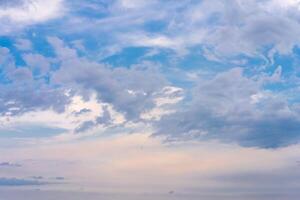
[(149, 99)]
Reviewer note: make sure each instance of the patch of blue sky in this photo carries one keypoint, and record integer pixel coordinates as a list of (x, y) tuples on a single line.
[(164, 56), (287, 63), (127, 57), (90, 9), (17, 57), (289, 73), (195, 60), (9, 43), (170, 64), (40, 44), (155, 26)]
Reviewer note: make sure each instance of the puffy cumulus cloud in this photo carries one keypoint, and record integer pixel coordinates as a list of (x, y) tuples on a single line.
[(37, 63), (117, 94), (234, 108), (130, 91), (19, 13), (21, 92), (16, 99)]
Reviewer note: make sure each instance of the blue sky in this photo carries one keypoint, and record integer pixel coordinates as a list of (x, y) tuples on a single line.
[(115, 94)]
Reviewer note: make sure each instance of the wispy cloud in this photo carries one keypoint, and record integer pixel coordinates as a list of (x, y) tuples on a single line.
[(19, 182), (8, 164)]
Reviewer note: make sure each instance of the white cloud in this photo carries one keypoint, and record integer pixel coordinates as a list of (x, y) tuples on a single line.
[(23, 44), (17, 14), (134, 4), (228, 28), (32, 11), (164, 103)]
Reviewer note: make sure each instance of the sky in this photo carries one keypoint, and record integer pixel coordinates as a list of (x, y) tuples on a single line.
[(149, 99)]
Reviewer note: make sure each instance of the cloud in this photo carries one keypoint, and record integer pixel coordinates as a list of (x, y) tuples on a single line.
[(224, 29), (23, 44), (38, 87), (37, 177), (27, 11), (105, 119), (8, 164), (82, 111), (134, 4), (21, 92), (254, 27), (19, 182), (185, 167), (16, 14), (234, 108), (29, 131), (116, 86), (232, 28), (38, 63), (59, 178)]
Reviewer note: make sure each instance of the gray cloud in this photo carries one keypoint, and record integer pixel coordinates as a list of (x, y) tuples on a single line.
[(233, 108), (37, 177), (82, 111), (59, 178), (130, 90), (8, 164), (85, 126), (21, 92), (37, 63), (105, 119)]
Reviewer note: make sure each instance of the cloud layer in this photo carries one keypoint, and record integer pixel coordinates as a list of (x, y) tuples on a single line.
[(235, 108), (160, 99)]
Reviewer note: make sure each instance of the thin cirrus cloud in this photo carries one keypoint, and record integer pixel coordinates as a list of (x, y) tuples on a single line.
[(223, 29), (19, 182), (8, 164)]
